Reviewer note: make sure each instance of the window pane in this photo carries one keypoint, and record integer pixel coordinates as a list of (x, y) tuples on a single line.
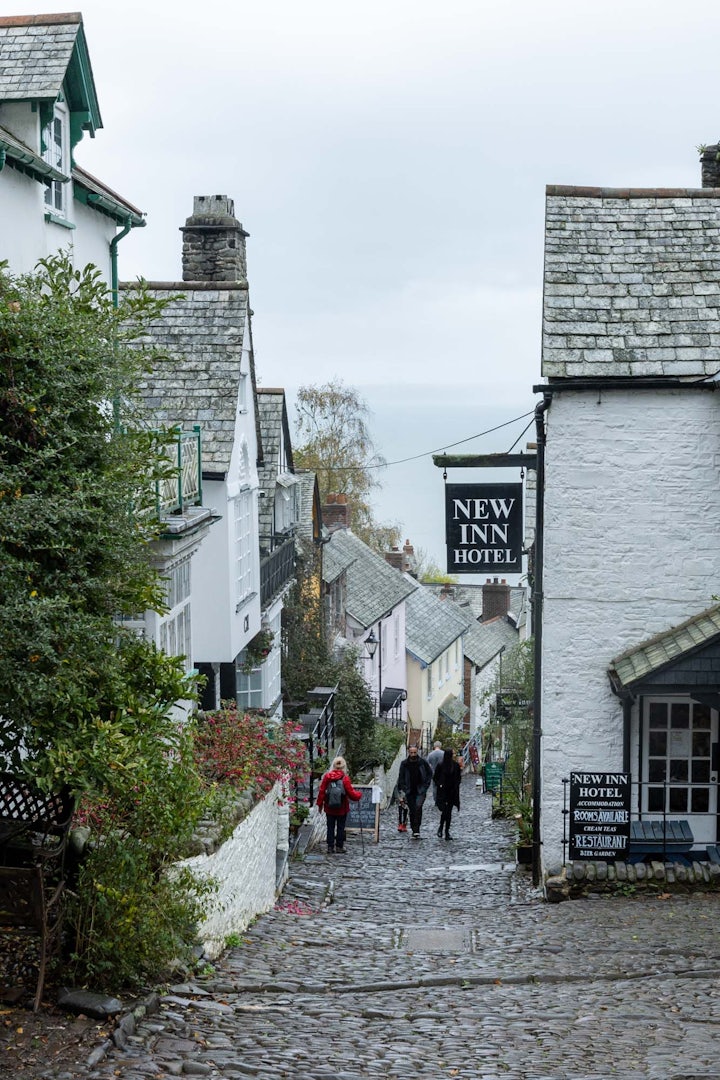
[(700, 800), (701, 772), (658, 714), (678, 769), (701, 743), (680, 714), (701, 716), (678, 800), (656, 770), (658, 743), (655, 800)]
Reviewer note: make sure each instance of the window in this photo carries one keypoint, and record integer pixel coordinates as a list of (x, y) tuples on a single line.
[(250, 689), (429, 681), (243, 547), (175, 629), (260, 689), (55, 155), (396, 635)]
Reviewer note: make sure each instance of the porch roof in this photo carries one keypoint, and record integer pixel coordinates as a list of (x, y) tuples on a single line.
[(664, 649), (453, 709)]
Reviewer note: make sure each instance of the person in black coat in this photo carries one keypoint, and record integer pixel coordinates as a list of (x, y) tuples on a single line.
[(447, 780), (414, 780)]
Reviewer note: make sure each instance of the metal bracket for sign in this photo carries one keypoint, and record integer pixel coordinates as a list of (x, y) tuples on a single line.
[(485, 461)]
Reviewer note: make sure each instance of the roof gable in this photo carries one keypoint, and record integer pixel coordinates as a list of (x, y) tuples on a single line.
[(373, 587), (196, 377), (42, 55), (483, 641), (431, 625)]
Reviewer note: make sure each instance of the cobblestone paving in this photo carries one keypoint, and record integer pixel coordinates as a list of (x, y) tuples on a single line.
[(432, 959)]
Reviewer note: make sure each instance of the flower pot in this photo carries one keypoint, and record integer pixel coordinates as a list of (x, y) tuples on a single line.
[(524, 854)]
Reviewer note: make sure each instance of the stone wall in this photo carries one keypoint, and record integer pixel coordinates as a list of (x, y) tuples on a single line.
[(245, 869), (632, 517), (580, 878)]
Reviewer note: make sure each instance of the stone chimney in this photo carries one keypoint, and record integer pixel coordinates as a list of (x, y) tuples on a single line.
[(710, 164), (402, 560), (213, 241), (395, 558), (336, 512), (496, 599)]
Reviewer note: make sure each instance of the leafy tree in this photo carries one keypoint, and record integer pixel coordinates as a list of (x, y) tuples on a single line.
[(306, 657), (82, 698), (334, 440)]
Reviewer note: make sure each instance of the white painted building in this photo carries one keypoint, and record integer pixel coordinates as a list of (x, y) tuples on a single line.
[(48, 103), (365, 598), (631, 350), (207, 378)]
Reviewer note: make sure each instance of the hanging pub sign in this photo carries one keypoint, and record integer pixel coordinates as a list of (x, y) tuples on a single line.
[(599, 815), (483, 527)]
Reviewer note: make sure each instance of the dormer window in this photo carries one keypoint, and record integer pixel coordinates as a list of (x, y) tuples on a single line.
[(56, 154)]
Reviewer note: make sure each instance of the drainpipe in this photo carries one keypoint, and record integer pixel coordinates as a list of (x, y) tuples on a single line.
[(537, 604), (114, 261)]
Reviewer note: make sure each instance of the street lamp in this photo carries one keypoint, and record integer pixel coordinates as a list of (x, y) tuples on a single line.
[(371, 643)]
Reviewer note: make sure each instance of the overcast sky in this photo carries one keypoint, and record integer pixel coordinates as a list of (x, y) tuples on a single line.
[(389, 160)]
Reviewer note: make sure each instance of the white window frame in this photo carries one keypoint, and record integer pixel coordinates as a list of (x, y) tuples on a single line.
[(56, 153), (243, 517)]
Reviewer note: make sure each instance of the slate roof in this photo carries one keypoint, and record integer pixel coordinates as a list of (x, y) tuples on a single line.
[(36, 52), (470, 598), (632, 283), (307, 482), (483, 641), (374, 587), (196, 380), (431, 625), (666, 648), (453, 709), (272, 416)]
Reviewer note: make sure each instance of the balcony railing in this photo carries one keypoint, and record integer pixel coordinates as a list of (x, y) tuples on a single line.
[(276, 569), (184, 487)]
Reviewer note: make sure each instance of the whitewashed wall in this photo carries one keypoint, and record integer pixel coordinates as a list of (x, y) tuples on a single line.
[(632, 519), (245, 869)]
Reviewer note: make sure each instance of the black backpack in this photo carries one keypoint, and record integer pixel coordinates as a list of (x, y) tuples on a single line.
[(334, 794)]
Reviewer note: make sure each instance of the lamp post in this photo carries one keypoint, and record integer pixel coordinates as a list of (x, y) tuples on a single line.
[(371, 644)]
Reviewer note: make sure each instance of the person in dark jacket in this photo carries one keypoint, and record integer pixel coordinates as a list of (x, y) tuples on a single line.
[(337, 815), (414, 779), (447, 780)]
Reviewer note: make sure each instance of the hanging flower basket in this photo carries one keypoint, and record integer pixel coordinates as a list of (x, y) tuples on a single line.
[(256, 651)]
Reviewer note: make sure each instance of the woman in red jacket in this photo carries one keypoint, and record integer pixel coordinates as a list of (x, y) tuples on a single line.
[(336, 814)]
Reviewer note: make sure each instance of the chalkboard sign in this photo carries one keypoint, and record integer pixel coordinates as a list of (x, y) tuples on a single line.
[(365, 813), (599, 815)]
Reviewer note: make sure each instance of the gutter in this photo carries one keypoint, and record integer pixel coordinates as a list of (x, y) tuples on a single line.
[(622, 382), (537, 605)]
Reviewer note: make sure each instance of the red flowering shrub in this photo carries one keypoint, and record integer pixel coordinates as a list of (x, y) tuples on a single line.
[(247, 751)]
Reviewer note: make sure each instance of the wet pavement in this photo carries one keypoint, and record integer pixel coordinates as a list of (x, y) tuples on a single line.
[(431, 958)]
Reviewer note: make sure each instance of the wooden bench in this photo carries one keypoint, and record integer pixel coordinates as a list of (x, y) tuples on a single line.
[(34, 829), (671, 840)]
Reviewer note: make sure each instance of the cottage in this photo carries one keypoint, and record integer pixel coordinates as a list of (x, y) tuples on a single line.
[(630, 632)]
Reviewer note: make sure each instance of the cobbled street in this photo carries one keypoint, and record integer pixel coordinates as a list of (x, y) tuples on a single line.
[(433, 958)]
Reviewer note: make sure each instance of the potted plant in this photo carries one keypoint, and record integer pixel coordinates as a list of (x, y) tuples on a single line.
[(257, 650), (299, 813), (320, 766), (523, 844)]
